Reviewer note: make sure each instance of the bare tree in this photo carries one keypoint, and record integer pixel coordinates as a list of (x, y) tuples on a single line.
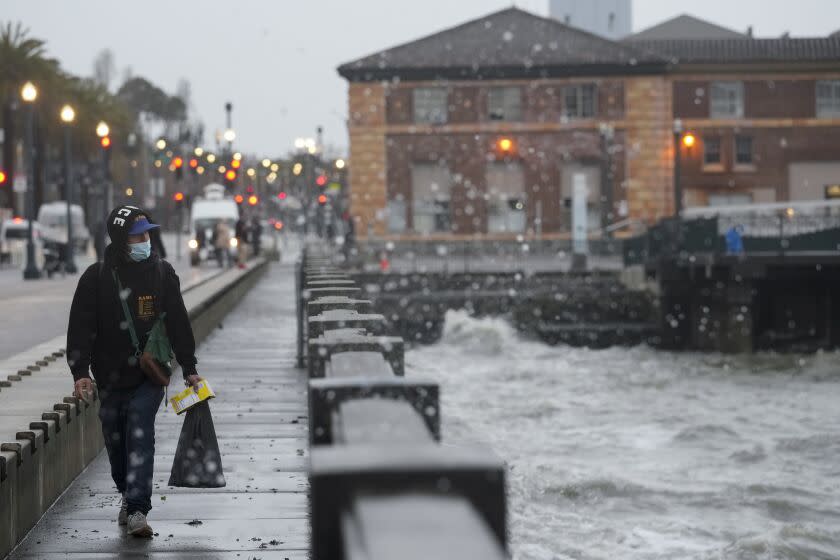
[(104, 68)]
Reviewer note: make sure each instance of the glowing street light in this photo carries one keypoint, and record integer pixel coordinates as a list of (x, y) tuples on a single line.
[(689, 140), (198, 152), (102, 129), (266, 163), (211, 158), (340, 164), (29, 92), (160, 144), (68, 114), (229, 135)]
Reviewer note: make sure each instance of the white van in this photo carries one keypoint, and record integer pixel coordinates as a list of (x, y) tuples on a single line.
[(53, 219), (207, 212)]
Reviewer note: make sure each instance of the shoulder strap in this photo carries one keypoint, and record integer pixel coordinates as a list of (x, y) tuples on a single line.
[(126, 312)]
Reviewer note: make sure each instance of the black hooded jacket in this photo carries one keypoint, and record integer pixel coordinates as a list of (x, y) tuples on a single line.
[(97, 337)]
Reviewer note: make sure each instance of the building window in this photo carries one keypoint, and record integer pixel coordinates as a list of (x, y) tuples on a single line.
[(431, 187), (579, 101), (828, 98), (505, 197), (431, 105), (743, 150), (727, 100), (397, 215), (711, 151), (504, 104)]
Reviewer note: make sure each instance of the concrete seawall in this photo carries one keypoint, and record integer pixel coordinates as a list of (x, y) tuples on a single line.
[(50, 437)]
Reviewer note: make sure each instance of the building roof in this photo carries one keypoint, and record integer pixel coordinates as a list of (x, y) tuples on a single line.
[(506, 44), (745, 50), (686, 27)]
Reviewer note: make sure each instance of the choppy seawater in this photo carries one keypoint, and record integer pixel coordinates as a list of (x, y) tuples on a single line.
[(642, 454)]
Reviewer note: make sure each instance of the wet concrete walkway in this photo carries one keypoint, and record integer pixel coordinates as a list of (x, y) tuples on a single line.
[(260, 418)]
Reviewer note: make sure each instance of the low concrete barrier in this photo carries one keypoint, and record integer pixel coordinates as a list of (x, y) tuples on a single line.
[(45, 450), (381, 483)]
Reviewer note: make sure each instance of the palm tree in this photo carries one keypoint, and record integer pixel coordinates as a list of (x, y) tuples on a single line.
[(22, 58)]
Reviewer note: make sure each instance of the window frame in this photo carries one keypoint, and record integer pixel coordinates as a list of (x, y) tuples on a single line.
[(516, 105), (711, 140), (428, 117), (736, 152), (578, 91), (502, 199), (722, 108), (828, 109), (433, 206)]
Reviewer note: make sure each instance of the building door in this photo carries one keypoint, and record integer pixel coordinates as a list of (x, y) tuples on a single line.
[(592, 174)]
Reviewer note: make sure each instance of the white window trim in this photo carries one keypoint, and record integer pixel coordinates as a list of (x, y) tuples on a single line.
[(443, 118), (723, 109), (830, 108)]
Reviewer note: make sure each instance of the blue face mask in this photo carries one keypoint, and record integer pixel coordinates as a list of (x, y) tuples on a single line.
[(140, 251)]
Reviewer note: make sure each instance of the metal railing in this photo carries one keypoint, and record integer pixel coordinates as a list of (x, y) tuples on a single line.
[(378, 474)]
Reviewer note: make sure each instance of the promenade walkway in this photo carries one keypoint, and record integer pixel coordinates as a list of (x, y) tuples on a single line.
[(261, 421)]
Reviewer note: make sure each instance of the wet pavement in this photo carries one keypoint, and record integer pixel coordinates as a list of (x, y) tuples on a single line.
[(260, 418)]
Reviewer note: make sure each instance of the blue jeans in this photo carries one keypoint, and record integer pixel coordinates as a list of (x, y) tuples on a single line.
[(128, 426)]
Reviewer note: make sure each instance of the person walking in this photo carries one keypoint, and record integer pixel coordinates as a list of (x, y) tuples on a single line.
[(241, 242), (116, 304), (221, 242)]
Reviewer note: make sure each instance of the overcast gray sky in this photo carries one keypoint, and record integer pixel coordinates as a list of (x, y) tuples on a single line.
[(275, 60)]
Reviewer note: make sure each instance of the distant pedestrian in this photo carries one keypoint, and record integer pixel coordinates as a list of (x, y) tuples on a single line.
[(118, 306), (221, 242), (241, 242), (256, 235)]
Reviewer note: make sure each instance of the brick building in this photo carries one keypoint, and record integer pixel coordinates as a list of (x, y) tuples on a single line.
[(478, 131)]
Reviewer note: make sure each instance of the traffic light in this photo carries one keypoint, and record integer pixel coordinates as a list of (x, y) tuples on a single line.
[(230, 178), (105, 142), (253, 200), (239, 199), (178, 197), (178, 165), (321, 180), (2, 177), (194, 166), (322, 199), (282, 196), (236, 164)]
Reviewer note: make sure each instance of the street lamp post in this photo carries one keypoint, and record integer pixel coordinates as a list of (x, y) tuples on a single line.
[(68, 115), (29, 93), (678, 194)]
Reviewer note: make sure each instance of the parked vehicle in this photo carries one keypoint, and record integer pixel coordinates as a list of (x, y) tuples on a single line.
[(207, 212), (53, 218), (14, 233)]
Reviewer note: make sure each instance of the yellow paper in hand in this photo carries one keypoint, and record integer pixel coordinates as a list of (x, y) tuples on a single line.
[(190, 397)]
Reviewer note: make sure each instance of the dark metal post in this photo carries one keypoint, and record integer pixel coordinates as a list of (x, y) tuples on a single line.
[(69, 264), (31, 271), (678, 194)]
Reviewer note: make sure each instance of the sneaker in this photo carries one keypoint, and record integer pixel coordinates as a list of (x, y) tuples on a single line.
[(122, 518), (137, 526)]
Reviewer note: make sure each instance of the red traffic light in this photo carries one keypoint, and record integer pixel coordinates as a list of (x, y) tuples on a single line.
[(321, 180), (253, 200), (105, 142), (178, 163), (2, 177), (230, 175), (236, 164), (239, 199), (193, 163), (322, 199), (250, 189), (282, 196), (178, 197), (278, 225)]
